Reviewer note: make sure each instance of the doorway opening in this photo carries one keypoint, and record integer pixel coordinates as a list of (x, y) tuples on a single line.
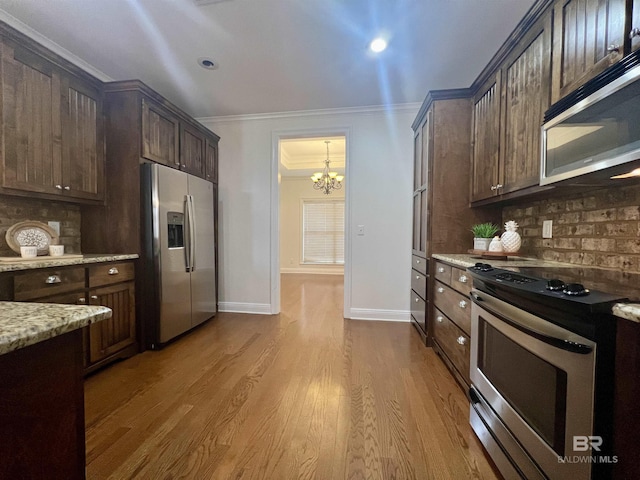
[(310, 238)]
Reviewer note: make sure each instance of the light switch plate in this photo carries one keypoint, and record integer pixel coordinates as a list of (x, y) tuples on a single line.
[(547, 229), (360, 230)]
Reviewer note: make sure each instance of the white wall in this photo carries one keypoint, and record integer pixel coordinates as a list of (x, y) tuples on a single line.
[(293, 190), (379, 158)]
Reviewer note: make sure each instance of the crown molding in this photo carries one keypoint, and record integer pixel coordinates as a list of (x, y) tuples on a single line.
[(370, 110), (25, 29)]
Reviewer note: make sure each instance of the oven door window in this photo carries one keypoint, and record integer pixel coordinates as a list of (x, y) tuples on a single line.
[(536, 389)]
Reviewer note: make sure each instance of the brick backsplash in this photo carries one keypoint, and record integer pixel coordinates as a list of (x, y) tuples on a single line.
[(600, 227), (17, 209)]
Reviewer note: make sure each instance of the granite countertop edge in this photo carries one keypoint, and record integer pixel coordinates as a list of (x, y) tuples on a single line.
[(23, 323), (48, 262), (628, 311)]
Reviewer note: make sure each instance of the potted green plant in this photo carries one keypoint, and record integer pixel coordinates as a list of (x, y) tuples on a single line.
[(482, 235)]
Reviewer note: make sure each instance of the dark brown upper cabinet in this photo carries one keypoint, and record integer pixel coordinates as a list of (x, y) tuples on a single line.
[(507, 114), (192, 142), (52, 128), (160, 134), (588, 37), (211, 160)]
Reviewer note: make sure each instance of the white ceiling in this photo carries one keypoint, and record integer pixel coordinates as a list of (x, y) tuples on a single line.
[(278, 55), (301, 157)]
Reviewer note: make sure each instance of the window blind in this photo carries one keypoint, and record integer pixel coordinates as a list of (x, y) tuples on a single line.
[(323, 231)]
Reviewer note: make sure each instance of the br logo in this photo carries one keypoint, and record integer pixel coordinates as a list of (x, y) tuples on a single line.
[(581, 443)]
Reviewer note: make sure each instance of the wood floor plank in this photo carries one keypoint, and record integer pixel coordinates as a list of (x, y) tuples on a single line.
[(300, 395)]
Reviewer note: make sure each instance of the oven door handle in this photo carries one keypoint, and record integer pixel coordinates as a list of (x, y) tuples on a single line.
[(546, 337)]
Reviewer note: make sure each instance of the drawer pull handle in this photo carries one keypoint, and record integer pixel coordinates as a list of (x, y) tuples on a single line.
[(418, 262), (417, 277), (463, 304), (113, 271), (439, 319), (462, 279), (93, 297), (440, 290), (440, 269), (51, 279), (461, 340), (82, 301), (416, 300)]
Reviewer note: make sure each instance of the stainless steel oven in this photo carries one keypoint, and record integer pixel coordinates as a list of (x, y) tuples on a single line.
[(539, 379), (541, 375)]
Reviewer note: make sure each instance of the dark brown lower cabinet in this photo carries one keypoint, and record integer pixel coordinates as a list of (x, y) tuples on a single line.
[(42, 410), (110, 284), (117, 335)]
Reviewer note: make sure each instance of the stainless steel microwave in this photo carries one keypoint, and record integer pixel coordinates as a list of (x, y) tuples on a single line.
[(596, 138)]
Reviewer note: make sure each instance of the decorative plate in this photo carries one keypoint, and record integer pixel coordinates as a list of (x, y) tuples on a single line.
[(33, 234)]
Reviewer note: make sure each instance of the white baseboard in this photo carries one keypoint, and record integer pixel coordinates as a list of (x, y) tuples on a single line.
[(383, 315), (314, 271), (239, 307)]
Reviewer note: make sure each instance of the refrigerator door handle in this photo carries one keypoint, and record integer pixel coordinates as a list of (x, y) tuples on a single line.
[(192, 233), (187, 234)]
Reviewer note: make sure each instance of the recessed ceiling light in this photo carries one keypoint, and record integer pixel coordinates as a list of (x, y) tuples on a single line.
[(378, 44), (208, 63)]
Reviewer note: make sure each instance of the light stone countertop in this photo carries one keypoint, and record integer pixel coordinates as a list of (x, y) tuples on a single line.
[(45, 262), (23, 323), (465, 260), (628, 311)]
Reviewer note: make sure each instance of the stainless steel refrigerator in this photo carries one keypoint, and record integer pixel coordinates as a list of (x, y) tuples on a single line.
[(179, 253)]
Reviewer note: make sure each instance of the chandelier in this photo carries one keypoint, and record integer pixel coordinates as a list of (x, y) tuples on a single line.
[(326, 180)]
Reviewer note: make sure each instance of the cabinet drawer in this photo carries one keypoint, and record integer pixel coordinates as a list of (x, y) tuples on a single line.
[(456, 306), (461, 280), (419, 263), (418, 310), (48, 282), (443, 272), (110, 273), (419, 283), (453, 341)]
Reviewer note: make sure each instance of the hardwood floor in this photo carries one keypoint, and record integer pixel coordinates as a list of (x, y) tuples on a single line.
[(301, 395)]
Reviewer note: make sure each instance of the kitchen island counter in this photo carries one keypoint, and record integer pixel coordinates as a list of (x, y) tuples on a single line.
[(23, 324), (42, 394)]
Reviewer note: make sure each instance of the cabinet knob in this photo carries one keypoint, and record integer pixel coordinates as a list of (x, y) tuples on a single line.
[(461, 340), (67, 188), (183, 165), (113, 271), (634, 32), (51, 279), (499, 186), (93, 297), (82, 301), (440, 290), (462, 279), (613, 48), (493, 187), (463, 304), (440, 269), (59, 187), (416, 300), (439, 319), (418, 262), (417, 277)]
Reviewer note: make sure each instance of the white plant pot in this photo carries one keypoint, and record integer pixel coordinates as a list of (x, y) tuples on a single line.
[(481, 244)]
